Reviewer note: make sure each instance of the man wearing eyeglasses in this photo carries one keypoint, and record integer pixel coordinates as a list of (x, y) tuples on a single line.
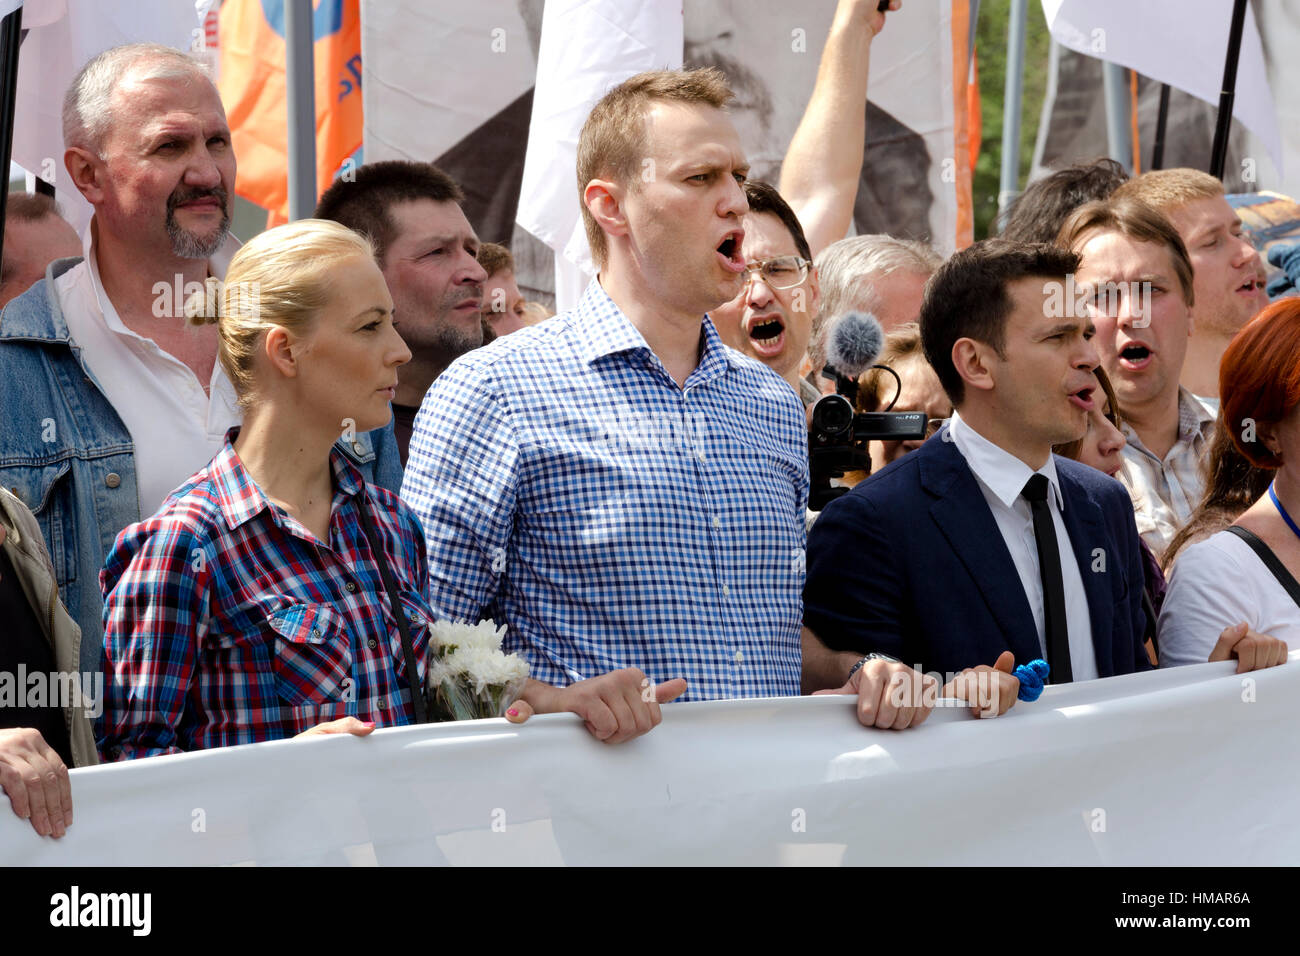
[(771, 319)]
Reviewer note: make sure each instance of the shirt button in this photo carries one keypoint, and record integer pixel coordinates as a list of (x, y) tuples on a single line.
[(701, 456), (717, 522), (740, 656), (372, 643), (315, 632), (358, 447), (383, 705), (112, 479), (350, 587), (726, 590)]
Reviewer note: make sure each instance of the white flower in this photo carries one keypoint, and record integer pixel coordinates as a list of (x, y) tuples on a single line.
[(481, 668), (470, 655), (446, 635)]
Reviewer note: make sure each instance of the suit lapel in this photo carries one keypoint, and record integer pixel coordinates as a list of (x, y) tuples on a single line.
[(1083, 521), (964, 518)]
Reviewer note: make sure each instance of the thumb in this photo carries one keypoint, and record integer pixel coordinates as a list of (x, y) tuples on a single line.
[(1006, 662), (519, 711), (670, 690), (345, 725), (1227, 640)]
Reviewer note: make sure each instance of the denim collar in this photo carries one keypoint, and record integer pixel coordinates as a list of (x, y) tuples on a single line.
[(35, 315)]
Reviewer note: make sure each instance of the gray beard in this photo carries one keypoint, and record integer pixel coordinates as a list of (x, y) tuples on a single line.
[(187, 245)]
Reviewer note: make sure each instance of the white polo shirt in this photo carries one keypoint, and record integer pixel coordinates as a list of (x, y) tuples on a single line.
[(175, 427)]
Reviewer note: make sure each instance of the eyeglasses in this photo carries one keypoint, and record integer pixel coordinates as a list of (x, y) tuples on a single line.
[(781, 272)]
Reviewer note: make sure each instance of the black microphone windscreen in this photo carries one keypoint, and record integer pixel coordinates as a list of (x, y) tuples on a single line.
[(856, 339)]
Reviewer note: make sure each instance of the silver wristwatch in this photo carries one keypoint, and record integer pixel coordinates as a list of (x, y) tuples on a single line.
[(873, 656)]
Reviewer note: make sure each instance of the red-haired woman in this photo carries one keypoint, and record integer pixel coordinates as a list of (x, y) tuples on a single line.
[(1244, 578)]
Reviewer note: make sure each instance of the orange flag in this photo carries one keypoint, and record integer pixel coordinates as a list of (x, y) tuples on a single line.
[(252, 85)]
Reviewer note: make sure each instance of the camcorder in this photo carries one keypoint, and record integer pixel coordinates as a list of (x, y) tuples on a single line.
[(837, 433)]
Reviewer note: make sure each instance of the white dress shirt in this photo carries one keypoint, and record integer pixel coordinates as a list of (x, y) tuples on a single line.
[(1001, 477), (175, 428)]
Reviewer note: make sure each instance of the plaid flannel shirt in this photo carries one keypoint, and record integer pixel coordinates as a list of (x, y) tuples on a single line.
[(1165, 493), (228, 622), (570, 489)]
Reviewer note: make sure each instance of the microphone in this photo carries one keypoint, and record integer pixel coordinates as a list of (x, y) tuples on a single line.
[(856, 338)]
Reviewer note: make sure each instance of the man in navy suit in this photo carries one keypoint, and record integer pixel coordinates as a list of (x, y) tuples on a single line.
[(982, 542)]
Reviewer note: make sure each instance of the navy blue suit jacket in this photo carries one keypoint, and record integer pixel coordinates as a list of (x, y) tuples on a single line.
[(911, 563)]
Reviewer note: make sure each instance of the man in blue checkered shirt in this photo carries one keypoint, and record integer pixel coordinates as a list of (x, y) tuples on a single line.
[(622, 490)]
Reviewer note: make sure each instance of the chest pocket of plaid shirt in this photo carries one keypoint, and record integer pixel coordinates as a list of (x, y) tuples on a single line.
[(313, 655), (419, 618)]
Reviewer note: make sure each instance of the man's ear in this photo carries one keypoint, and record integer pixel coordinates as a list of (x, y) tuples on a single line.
[(279, 350), (814, 290), (604, 200), (973, 362), (86, 171)]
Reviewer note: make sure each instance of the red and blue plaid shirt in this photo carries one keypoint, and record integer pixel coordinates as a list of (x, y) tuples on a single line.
[(228, 622)]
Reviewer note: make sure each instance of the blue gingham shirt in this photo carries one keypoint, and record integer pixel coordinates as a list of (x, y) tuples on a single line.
[(572, 491)]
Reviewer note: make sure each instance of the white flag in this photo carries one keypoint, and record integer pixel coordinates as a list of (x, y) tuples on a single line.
[(1180, 42), (588, 46)]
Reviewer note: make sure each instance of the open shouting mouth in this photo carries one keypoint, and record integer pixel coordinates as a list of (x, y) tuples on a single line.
[(1135, 356), (728, 251), (1083, 398), (1251, 287), (766, 332)]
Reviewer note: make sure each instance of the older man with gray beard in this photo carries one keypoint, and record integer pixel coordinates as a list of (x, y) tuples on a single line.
[(109, 400)]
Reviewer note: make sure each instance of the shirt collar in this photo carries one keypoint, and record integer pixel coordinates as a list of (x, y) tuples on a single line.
[(1193, 416), (1001, 472), (607, 331), (239, 497), (1195, 419)]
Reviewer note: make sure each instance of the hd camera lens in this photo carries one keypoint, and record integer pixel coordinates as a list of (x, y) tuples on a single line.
[(832, 417)]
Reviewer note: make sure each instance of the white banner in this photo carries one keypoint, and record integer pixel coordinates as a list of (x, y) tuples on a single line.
[(1180, 42), (1192, 766)]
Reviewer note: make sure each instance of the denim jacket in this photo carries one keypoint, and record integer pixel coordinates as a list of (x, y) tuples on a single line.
[(66, 455)]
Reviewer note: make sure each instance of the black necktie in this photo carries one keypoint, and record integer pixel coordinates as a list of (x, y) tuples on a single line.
[(1049, 569)]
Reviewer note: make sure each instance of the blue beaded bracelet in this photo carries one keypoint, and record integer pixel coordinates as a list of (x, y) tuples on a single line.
[(1032, 677)]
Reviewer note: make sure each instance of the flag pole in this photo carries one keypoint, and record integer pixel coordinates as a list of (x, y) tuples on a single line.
[(1162, 120), (300, 104), (1219, 153), (1009, 184), (1119, 115), (11, 37)]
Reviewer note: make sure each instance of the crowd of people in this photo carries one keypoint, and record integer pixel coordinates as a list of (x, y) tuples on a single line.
[(243, 502)]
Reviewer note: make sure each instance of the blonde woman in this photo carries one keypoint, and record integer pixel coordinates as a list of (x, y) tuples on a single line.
[(256, 604)]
